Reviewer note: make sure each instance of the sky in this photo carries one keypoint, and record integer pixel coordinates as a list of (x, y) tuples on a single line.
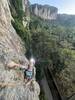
[(64, 6)]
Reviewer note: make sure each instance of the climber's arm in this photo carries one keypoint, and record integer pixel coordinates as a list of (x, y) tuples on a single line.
[(23, 66), (13, 65)]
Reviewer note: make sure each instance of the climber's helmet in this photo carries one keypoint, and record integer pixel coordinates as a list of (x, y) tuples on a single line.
[(32, 61)]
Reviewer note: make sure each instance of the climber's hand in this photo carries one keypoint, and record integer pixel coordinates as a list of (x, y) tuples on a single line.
[(12, 64)]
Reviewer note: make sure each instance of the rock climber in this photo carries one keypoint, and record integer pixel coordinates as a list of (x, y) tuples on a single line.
[(29, 71)]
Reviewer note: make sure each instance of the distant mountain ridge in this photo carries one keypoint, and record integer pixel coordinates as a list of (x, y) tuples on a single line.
[(50, 13), (65, 19), (45, 12)]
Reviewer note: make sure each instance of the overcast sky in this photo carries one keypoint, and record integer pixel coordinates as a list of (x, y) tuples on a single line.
[(64, 6)]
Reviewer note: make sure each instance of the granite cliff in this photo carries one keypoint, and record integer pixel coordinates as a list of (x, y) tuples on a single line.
[(45, 12), (11, 48)]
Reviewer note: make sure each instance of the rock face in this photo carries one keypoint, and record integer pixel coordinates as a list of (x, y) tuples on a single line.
[(11, 48), (44, 11), (26, 5)]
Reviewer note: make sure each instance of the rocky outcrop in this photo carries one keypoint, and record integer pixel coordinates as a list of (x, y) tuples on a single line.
[(44, 11), (10, 42), (26, 5), (11, 48), (26, 9)]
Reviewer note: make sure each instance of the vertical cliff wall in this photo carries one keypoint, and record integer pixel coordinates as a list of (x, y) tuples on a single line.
[(11, 49), (26, 10), (44, 11)]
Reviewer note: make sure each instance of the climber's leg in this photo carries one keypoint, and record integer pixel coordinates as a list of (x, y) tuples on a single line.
[(28, 82)]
